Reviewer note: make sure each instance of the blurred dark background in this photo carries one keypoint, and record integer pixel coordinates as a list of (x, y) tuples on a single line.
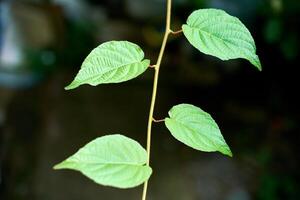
[(42, 45)]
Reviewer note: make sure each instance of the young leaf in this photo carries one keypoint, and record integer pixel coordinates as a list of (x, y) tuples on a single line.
[(112, 160), (111, 62), (216, 33), (196, 128)]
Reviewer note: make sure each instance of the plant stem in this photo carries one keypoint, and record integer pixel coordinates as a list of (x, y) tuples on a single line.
[(158, 121), (176, 32), (156, 75)]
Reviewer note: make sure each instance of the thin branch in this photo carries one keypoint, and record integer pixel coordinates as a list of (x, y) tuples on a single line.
[(152, 66), (176, 32), (158, 121), (157, 66)]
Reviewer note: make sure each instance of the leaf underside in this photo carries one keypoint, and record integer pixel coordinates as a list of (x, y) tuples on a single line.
[(112, 160), (196, 128), (216, 33), (111, 62)]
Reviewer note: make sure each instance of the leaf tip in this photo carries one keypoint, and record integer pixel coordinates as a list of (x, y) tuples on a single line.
[(57, 166), (71, 86), (67, 88), (258, 65), (64, 165), (256, 62), (259, 68), (226, 151), (230, 154)]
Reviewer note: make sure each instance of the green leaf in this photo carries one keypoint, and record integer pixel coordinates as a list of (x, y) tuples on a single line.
[(196, 128), (112, 160), (216, 33), (111, 62)]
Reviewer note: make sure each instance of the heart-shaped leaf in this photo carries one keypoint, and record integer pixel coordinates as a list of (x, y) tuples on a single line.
[(112, 160), (196, 128), (216, 33), (111, 62)]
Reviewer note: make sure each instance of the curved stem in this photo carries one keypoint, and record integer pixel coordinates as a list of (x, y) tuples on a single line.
[(156, 75), (176, 32)]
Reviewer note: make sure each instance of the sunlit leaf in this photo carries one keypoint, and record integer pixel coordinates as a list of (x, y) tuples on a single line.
[(112, 160), (111, 62), (216, 33), (196, 128)]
